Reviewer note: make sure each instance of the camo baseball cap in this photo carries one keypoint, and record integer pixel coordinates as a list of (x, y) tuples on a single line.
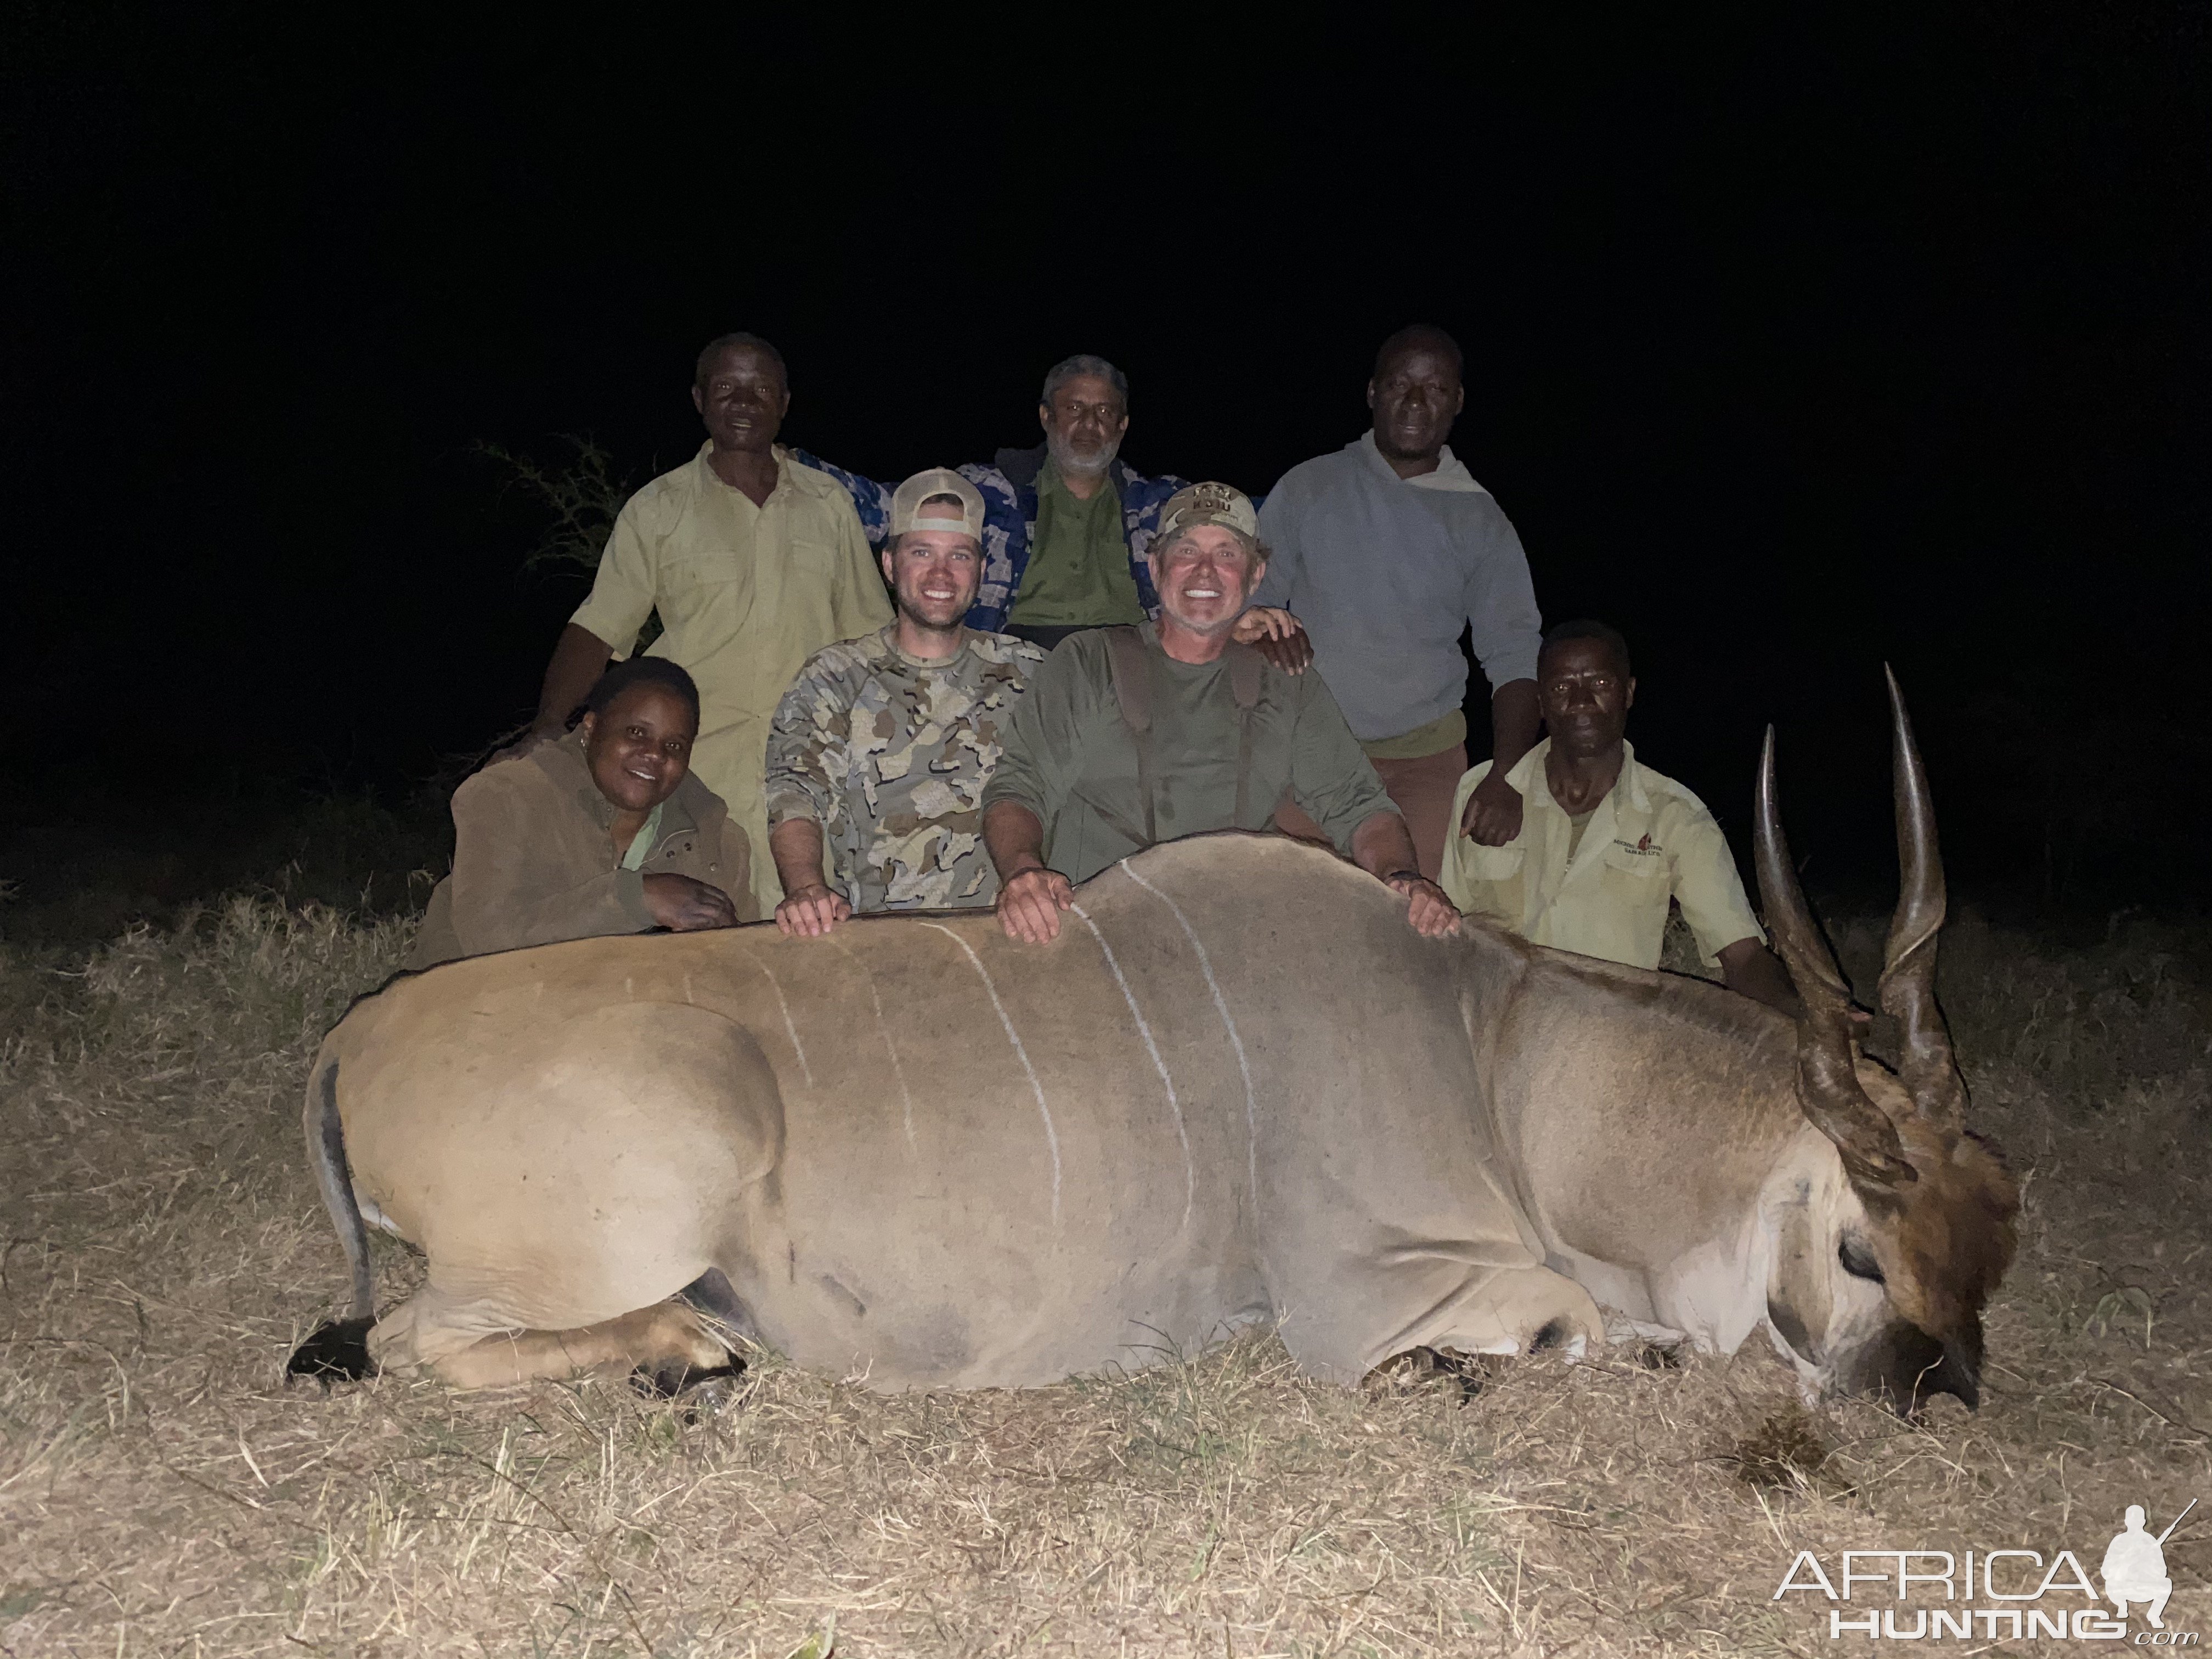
[(1208, 503), (907, 504)]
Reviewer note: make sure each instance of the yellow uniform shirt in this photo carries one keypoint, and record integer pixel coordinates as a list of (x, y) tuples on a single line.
[(746, 594), (1648, 841)]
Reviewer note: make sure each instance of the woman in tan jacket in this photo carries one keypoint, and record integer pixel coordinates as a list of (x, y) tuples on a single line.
[(603, 831)]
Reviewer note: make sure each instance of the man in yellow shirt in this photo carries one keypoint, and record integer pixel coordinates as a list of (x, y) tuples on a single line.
[(1606, 842), (754, 561)]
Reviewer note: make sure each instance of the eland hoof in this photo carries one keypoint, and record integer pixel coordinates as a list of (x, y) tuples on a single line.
[(337, 1351), (673, 1379)]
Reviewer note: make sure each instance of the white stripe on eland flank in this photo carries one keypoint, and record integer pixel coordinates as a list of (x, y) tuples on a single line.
[(1189, 1174), (790, 1029), (1051, 1134), (906, 1098), (1221, 1007)]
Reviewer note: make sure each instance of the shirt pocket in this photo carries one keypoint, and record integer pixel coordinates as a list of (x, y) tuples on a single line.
[(1485, 880), (1637, 867), (810, 555), (698, 572), (703, 591), (1637, 885)]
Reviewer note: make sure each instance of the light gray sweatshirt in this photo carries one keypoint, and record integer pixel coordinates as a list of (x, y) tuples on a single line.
[(1384, 573)]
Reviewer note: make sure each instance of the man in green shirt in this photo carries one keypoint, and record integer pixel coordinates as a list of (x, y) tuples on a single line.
[(1131, 736), (1079, 573)]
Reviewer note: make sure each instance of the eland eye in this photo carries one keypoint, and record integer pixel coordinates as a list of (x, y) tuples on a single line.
[(1857, 1262)]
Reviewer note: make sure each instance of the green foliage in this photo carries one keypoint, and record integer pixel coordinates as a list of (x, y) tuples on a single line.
[(580, 497)]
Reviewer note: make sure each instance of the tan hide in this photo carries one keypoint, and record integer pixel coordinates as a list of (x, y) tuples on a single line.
[(1235, 1089)]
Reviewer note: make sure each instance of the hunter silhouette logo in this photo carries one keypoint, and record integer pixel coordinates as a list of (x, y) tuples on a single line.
[(2135, 1567), (2027, 1597)]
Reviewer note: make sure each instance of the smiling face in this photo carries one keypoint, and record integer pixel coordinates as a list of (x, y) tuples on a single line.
[(1083, 424), (935, 574), (1204, 577), (1585, 695), (1416, 396), (742, 399), (640, 748)]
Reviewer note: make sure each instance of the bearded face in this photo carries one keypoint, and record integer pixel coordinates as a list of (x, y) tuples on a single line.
[(1083, 424)]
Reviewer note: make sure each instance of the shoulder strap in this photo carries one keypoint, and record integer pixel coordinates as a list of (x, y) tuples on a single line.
[(1132, 682), (1245, 664), (1133, 691)]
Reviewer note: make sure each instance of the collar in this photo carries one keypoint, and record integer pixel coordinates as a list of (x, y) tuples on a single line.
[(788, 469), (1528, 772), (1452, 474), (645, 842), (1050, 477), (887, 649), (1024, 468)]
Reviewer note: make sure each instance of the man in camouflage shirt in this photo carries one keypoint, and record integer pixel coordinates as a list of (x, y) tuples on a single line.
[(881, 748)]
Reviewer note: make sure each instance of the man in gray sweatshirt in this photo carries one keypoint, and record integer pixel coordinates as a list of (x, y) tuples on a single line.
[(1385, 550)]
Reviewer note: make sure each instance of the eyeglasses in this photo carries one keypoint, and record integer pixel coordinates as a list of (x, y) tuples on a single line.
[(1071, 412)]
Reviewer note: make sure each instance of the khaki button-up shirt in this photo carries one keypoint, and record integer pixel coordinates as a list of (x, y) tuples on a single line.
[(1648, 841), (746, 594)]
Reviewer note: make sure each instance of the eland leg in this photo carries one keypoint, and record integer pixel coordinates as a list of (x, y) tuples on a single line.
[(447, 1335), (563, 1210), (1372, 1311)]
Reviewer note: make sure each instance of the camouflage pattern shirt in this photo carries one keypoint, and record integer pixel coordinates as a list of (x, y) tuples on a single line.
[(888, 754)]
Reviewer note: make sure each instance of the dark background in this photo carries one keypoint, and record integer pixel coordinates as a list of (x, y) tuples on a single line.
[(1793, 345)]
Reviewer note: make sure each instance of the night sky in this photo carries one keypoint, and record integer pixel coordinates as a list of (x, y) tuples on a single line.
[(1792, 346)]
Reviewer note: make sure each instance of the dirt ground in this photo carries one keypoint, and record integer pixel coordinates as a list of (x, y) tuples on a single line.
[(163, 1491)]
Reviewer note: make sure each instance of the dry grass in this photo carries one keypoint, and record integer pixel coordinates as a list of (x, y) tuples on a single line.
[(162, 1490)]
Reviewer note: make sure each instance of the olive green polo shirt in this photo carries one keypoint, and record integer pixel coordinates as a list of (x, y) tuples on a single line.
[(1077, 575), (1072, 759)]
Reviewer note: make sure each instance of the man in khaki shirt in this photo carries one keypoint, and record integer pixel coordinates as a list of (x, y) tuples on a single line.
[(1604, 843), (754, 561)]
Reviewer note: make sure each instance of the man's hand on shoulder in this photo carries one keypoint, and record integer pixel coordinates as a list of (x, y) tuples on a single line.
[(1029, 906), (810, 912), (1493, 812), (1281, 638), (684, 905), (1428, 911)]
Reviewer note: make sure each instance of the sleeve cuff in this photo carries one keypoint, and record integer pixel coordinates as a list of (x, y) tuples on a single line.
[(603, 622), (1507, 667), (994, 794), (790, 809)]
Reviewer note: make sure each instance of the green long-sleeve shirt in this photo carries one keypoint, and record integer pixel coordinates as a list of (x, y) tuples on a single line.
[(1072, 759), (1078, 570)]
